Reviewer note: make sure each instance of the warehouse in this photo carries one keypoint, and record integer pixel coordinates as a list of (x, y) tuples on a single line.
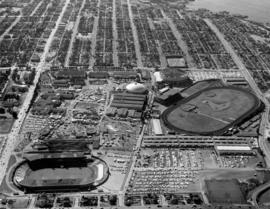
[(129, 96), (129, 101), (128, 106), (124, 75), (64, 83), (234, 149), (236, 81), (70, 73), (169, 97), (126, 98), (156, 127), (98, 75)]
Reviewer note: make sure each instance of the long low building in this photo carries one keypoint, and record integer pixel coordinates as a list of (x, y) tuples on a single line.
[(128, 106), (129, 101), (234, 149), (178, 141), (156, 127), (120, 97), (124, 94)]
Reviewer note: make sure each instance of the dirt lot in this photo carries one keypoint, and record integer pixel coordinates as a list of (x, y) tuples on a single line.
[(5, 125), (224, 191)]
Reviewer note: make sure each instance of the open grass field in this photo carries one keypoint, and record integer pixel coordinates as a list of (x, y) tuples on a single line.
[(5, 125), (211, 111), (224, 191)]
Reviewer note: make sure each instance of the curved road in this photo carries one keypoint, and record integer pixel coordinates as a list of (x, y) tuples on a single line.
[(255, 193)]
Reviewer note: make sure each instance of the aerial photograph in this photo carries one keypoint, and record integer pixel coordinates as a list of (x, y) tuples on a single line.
[(140, 104)]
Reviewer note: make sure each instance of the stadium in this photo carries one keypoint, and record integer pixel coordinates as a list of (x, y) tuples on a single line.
[(211, 111), (59, 172)]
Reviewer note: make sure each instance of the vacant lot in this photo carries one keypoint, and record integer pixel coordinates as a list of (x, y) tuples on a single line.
[(5, 125), (224, 191)]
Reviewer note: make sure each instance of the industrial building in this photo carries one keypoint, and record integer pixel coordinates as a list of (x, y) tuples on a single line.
[(179, 141), (98, 75), (124, 75), (236, 81), (234, 149), (169, 97), (128, 101), (156, 127)]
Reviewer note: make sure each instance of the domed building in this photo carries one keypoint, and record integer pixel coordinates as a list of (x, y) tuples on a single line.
[(136, 88)]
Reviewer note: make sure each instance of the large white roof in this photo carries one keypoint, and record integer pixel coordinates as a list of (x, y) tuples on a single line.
[(158, 76), (136, 88), (233, 148)]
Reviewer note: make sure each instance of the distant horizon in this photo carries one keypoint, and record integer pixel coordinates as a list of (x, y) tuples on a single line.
[(255, 10)]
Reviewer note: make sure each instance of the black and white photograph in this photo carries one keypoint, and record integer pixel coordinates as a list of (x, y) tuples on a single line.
[(134, 104)]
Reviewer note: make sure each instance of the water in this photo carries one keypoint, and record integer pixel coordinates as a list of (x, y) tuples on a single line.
[(257, 10)]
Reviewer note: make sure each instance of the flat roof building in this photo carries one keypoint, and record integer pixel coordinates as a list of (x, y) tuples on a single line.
[(233, 149), (176, 61), (156, 127)]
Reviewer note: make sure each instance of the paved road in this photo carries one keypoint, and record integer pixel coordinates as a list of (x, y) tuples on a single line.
[(94, 38), (73, 36), (263, 143), (181, 43), (135, 36), (34, 11), (133, 161), (115, 36), (14, 134), (258, 191), (264, 123), (10, 27)]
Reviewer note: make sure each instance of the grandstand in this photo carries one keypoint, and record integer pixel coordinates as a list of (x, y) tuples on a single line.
[(59, 172), (212, 111)]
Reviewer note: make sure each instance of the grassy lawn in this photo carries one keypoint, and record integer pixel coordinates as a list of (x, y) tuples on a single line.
[(5, 125), (224, 191)]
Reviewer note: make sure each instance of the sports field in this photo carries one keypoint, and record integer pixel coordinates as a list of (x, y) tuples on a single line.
[(211, 111), (93, 173)]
